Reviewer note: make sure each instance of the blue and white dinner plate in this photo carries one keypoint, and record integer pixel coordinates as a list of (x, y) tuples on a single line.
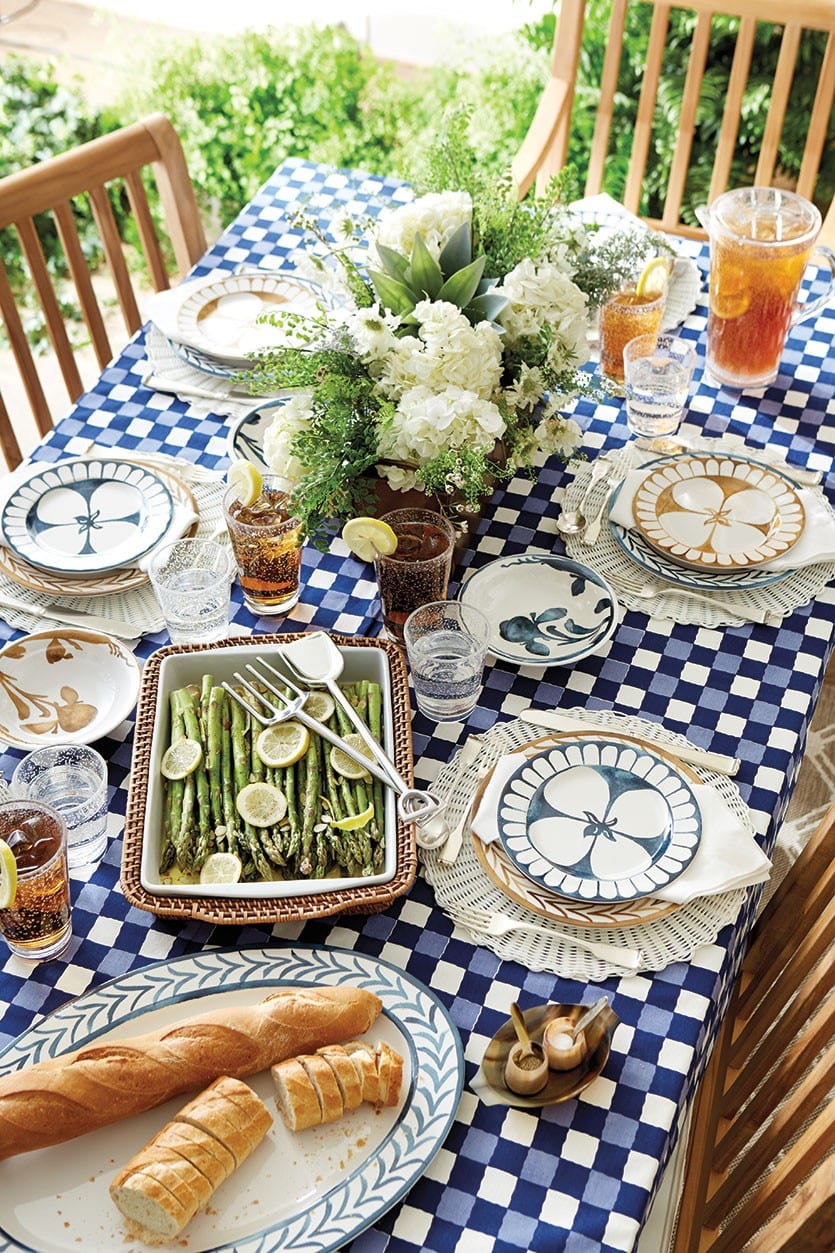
[(599, 819), (316, 1189), (84, 517), (544, 609), (246, 434)]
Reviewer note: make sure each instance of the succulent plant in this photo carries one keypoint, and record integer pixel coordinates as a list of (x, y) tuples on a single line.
[(456, 276)]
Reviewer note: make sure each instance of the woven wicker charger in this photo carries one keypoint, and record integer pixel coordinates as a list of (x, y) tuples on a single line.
[(371, 899)]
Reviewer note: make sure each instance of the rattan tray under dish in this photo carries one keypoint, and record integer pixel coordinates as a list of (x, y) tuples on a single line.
[(361, 899)]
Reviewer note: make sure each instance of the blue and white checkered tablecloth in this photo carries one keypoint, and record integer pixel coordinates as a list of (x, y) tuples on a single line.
[(577, 1176)]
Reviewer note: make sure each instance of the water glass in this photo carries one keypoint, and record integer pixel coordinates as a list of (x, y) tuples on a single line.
[(267, 543), (624, 316), (419, 568), (658, 373), (192, 580), (71, 778), (446, 643), (37, 923)]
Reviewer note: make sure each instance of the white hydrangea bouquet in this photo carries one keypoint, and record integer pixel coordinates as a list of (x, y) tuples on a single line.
[(444, 362)]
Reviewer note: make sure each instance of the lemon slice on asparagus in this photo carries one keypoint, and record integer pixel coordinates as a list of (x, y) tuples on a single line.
[(320, 705), (345, 765), (221, 868), (369, 538), (355, 821), (282, 744), (8, 876), (261, 804), (245, 480), (181, 759), (655, 277)]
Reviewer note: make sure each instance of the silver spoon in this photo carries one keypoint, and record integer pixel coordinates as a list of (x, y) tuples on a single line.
[(589, 1016), (573, 521)]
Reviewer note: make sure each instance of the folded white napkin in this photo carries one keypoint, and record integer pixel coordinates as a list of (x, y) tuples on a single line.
[(817, 539), (727, 857)]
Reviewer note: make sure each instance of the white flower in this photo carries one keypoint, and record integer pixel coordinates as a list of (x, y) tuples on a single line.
[(435, 217), (289, 419), (428, 421), (558, 435), (545, 295), (372, 331), (528, 389), (447, 352)]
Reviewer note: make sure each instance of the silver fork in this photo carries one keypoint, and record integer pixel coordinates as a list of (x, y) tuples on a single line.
[(413, 805), (497, 924), (592, 532)]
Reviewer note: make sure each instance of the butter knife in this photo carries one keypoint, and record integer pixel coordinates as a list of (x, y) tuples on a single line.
[(558, 720), (74, 617)]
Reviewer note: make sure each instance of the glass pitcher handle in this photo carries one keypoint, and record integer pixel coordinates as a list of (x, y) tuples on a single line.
[(811, 307)]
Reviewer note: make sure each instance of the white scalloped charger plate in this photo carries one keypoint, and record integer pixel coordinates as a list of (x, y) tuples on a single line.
[(718, 513), (315, 1189), (87, 515), (65, 686), (599, 820), (221, 316)]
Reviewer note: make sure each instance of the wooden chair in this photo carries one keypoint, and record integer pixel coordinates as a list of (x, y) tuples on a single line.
[(545, 148), (760, 1168), (91, 171)]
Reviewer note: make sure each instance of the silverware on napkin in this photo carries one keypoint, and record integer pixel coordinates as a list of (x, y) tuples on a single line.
[(559, 720), (592, 532), (74, 617)]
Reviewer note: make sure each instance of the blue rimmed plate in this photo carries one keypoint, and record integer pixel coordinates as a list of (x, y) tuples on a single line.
[(544, 609), (246, 434), (600, 820), (86, 516), (316, 1189)]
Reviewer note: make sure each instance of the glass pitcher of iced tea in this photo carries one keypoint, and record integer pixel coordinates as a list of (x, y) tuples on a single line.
[(761, 240)]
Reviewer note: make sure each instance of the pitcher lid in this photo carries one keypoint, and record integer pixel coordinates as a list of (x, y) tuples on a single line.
[(768, 215)]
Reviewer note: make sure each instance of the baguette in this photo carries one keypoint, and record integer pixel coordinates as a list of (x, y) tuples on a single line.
[(55, 1100), (176, 1174), (310, 1090)]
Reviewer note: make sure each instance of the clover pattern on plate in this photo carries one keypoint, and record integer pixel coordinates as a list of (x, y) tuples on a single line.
[(596, 820)]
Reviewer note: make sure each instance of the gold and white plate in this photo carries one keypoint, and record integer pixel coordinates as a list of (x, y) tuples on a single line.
[(718, 513), (223, 317), (122, 579)]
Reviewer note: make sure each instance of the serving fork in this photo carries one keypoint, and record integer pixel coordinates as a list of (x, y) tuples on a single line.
[(497, 924)]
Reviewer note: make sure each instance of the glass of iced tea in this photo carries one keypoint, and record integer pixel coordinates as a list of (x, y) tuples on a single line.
[(418, 570), (624, 316), (761, 240), (37, 923), (266, 540)]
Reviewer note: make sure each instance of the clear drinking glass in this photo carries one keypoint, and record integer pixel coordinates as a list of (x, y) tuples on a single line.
[(419, 568), (71, 778), (658, 370), (37, 923), (267, 543), (446, 643), (192, 580)]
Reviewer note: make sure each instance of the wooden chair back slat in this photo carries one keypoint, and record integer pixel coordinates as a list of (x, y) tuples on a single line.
[(113, 164), (546, 147), (760, 1169), (8, 438)]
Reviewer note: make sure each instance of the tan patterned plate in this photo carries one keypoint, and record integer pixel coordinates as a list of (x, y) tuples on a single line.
[(512, 883), (124, 579), (718, 513)]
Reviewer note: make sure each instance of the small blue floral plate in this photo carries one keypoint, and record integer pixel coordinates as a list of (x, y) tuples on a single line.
[(246, 434), (544, 609), (600, 820)]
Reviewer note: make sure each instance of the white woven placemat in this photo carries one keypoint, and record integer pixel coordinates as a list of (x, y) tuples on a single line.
[(769, 603), (205, 393), (465, 885), (137, 604)]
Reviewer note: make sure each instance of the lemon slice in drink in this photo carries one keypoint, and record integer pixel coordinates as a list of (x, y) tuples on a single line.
[(345, 765), (368, 538), (655, 277), (261, 804), (319, 705), (8, 876), (181, 759), (245, 480), (221, 868), (282, 744), (355, 821)]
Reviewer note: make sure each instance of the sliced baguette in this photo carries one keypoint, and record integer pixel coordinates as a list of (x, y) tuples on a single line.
[(239, 1122), (362, 1057), (295, 1095), (203, 1151), (328, 1091), (152, 1212), (346, 1075), (390, 1070)]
